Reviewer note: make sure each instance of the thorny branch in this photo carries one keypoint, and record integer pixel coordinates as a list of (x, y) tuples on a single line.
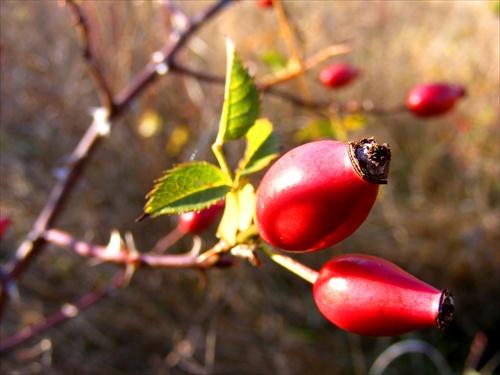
[(118, 252), (100, 127)]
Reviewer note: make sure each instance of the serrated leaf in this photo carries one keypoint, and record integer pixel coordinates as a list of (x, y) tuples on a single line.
[(262, 147), (241, 99), (187, 187)]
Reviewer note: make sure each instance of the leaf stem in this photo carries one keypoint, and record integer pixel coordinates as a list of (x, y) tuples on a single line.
[(221, 159), (290, 264)]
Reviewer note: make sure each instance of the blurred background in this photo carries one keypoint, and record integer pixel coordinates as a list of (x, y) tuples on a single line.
[(438, 218)]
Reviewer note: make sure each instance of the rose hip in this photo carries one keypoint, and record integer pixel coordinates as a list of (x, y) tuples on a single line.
[(319, 193), (433, 99), (195, 222), (372, 296), (338, 75)]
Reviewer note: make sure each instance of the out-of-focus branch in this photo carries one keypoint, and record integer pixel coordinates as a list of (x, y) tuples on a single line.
[(161, 60), (294, 71), (35, 241), (68, 311), (366, 106), (104, 91)]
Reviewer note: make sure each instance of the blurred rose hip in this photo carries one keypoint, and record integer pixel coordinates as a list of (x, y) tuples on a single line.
[(264, 3), (372, 296), (319, 193), (195, 222), (4, 225), (338, 75), (433, 99)]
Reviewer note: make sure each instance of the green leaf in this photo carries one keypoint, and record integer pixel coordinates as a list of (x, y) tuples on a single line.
[(241, 99), (273, 60), (262, 147), (187, 187)]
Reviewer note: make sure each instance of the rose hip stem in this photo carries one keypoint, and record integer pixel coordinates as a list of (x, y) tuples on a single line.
[(290, 264)]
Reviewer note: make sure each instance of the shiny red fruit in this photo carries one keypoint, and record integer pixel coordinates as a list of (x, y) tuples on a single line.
[(4, 225), (433, 99), (264, 3), (195, 222), (372, 296), (319, 193), (338, 75)]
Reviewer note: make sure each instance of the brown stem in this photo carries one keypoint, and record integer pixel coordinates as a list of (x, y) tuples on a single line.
[(105, 94), (164, 57)]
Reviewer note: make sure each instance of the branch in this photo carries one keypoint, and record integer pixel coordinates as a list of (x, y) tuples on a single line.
[(105, 94), (117, 252), (35, 241), (366, 106), (162, 60)]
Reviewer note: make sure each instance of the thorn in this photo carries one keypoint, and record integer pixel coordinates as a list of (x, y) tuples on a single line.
[(142, 217), (202, 281)]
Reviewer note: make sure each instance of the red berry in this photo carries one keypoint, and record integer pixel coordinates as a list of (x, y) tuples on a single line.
[(319, 193), (4, 225), (197, 221), (372, 296), (338, 75), (433, 99), (264, 3)]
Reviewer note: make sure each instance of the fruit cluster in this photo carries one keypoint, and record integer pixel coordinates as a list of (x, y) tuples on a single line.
[(315, 196)]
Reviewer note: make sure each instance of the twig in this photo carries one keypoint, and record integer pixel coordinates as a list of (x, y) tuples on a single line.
[(366, 106), (68, 311), (121, 254), (162, 59), (309, 63), (105, 94)]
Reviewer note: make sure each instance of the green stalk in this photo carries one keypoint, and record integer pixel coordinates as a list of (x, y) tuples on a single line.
[(290, 264)]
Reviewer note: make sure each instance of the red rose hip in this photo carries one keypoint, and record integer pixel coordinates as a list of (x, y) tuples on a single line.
[(372, 296), (319, 193), (338, 75), (195, 222), (433, 99), (264, 3)]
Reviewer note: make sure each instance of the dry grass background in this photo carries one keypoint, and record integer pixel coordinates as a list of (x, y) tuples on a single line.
[(438, 217)]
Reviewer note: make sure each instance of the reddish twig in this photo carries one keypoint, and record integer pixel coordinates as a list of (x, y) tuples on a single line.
[(35, 241), (68, 311), (122, 254)]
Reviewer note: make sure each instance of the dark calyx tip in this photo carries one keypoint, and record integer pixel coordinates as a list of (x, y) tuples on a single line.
[(370, 160), (446, 308)]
